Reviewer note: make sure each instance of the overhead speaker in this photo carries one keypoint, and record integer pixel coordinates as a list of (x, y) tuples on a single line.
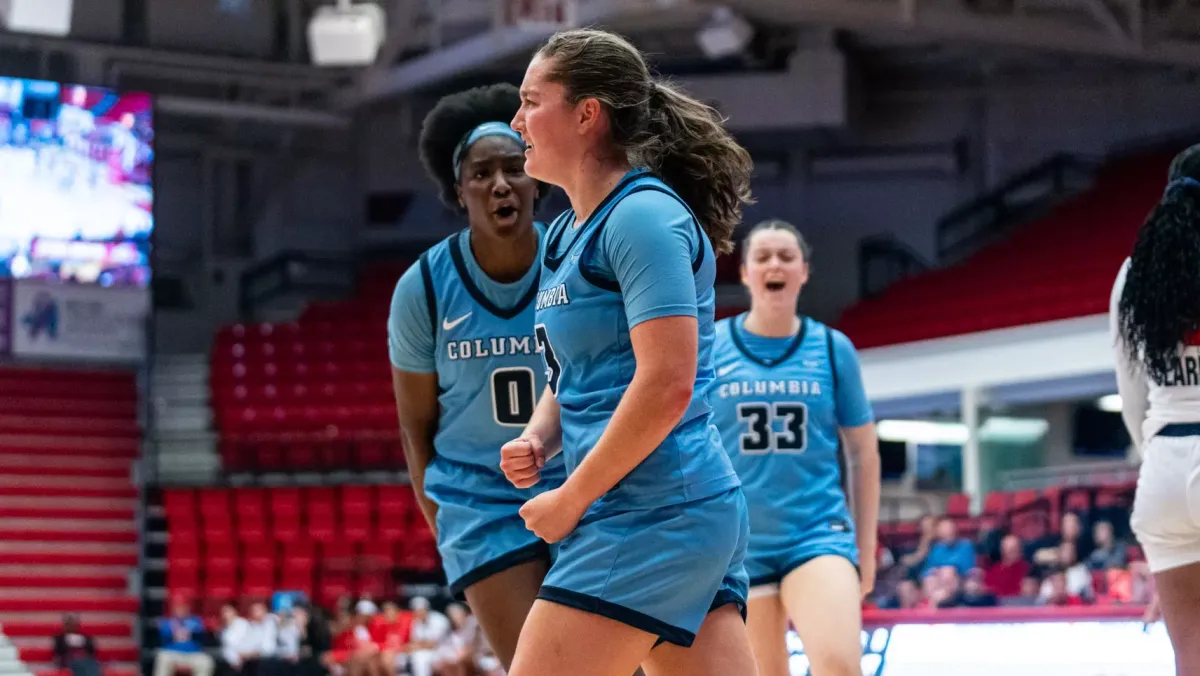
[(44, 17)]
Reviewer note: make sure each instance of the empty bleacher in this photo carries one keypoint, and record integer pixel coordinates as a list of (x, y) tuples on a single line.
[(313, 395), (68, 533), (1056, 267), (327, 542)]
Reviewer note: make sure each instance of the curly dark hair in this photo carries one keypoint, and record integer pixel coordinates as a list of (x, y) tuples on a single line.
[(681, 139), (454, 117), (1160, 304)]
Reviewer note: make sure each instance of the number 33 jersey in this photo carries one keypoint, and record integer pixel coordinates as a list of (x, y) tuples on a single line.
[(778, 403)]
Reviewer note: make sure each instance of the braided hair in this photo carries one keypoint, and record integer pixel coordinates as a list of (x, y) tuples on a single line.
[(1160, 304)]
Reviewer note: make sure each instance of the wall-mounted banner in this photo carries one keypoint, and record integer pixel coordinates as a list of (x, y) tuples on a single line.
[(76, 321)]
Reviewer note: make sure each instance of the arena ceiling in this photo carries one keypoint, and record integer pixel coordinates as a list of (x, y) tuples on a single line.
[(436, 44), (452, 38)]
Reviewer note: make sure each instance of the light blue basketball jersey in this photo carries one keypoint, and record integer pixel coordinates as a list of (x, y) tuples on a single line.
[(644, 234), (778, 403), (485, 355)]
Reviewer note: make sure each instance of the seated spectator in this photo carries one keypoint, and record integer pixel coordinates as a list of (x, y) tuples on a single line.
[(261, 639), (456, 656), (1108, 552), (355, 652), (1118, 586), (1031, 589), (1004, 577), (1055, 593), (75, 650), (315, 640), (949, 550), (908, 595), (429, 628), (1044, 551), (234, 631), (392, 631), (974, 593), (286, 656), (1079, 578), (990, 539), (1137, 584), (179, 637), (486, 662), (913, 561), (943, 588)]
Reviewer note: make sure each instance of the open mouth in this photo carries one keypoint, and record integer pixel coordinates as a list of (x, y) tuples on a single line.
[(505, 212), (776, 286)]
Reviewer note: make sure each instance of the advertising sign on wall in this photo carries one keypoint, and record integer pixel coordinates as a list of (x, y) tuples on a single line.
[(78, 322)]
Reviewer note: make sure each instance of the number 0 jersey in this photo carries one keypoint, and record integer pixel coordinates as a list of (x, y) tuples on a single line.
[(778, 403), (448, 317)]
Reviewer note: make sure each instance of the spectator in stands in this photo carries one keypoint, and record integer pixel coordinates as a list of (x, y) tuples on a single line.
[(75, 650), (315, 640), (1031, 589), (486, 661), (343, 615), (949, 550), (429, 628), (1055, 593), (1077, 576), (261, 640), (1108, 552), (354, 649), (1143, 587), (235, 643), (1045, 550), (392, 631), (975, 593), (914, 560), (180, 645), (286, 655), (908, 595), (456, 655), (990, 539), (943, 587), (1004, 577)]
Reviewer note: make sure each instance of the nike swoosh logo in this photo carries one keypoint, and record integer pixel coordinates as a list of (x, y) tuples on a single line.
[(447, 324), (721, 372)]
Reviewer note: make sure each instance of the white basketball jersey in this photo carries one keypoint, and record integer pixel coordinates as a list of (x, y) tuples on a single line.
[(1148, 406)]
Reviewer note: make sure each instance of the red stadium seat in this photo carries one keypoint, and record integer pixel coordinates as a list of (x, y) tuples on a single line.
[(973, 295), (259, 555), (958, 505)]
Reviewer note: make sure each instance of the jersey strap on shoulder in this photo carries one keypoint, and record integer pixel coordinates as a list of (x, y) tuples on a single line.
[(430, 293), (608, 284)]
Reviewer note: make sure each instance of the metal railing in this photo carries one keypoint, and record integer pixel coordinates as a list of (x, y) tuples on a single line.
[(977, 223), (291, 272)]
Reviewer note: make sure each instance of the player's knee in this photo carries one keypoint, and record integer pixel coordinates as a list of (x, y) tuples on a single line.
[(843, 660)]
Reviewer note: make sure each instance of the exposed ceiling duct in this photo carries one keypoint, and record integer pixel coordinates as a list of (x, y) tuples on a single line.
[(498, 44), (1137, 31)]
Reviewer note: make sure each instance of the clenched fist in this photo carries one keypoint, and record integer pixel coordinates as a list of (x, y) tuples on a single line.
[(552, 515), (522, 460)]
